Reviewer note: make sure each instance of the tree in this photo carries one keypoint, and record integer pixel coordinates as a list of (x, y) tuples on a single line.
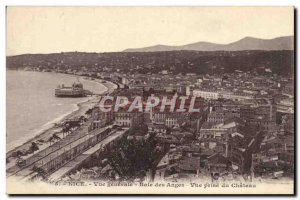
[(34, 147), (40, 172), (89, 111), (56, 137), (133, 158)]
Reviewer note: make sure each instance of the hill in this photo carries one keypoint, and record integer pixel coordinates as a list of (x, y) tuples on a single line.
[(200, 62), (247, 43)]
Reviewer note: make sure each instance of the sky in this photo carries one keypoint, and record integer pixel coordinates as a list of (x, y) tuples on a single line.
[(111, 29)]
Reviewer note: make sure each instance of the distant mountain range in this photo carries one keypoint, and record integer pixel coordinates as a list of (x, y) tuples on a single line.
[(247, 43)]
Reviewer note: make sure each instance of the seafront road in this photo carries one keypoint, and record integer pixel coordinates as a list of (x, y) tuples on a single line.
[(57, 149)]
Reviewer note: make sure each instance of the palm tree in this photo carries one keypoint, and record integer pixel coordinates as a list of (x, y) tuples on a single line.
[(74, 124), (56, 137), (89, 112), (50, 140), (40, 172), (34, 147), (82, 119), (66, 129)]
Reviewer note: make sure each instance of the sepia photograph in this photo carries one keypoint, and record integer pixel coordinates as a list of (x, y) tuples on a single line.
[(150, 100)]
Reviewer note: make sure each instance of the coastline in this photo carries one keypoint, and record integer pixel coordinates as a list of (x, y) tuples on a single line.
[(50, 128)]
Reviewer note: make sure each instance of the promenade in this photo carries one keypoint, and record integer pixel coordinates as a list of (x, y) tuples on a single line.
[(65, 150), (84, 156)]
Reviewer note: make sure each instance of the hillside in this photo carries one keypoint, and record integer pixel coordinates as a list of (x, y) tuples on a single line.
[(200, 62), (247, 43)]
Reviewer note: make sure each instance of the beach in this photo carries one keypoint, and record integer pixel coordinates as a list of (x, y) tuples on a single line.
[(51, 128)]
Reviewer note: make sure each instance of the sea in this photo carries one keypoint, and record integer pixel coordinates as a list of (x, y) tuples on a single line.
[(31, 106)]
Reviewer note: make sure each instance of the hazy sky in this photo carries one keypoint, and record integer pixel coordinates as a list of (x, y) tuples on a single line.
[(99, 29)]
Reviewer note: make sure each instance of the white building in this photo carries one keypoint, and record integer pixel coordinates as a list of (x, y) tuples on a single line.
[(188, 91), (206, 94), (171, 121), (235, 97), (125, 81)]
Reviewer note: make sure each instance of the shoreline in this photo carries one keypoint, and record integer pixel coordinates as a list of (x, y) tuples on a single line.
[(45, 134)]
